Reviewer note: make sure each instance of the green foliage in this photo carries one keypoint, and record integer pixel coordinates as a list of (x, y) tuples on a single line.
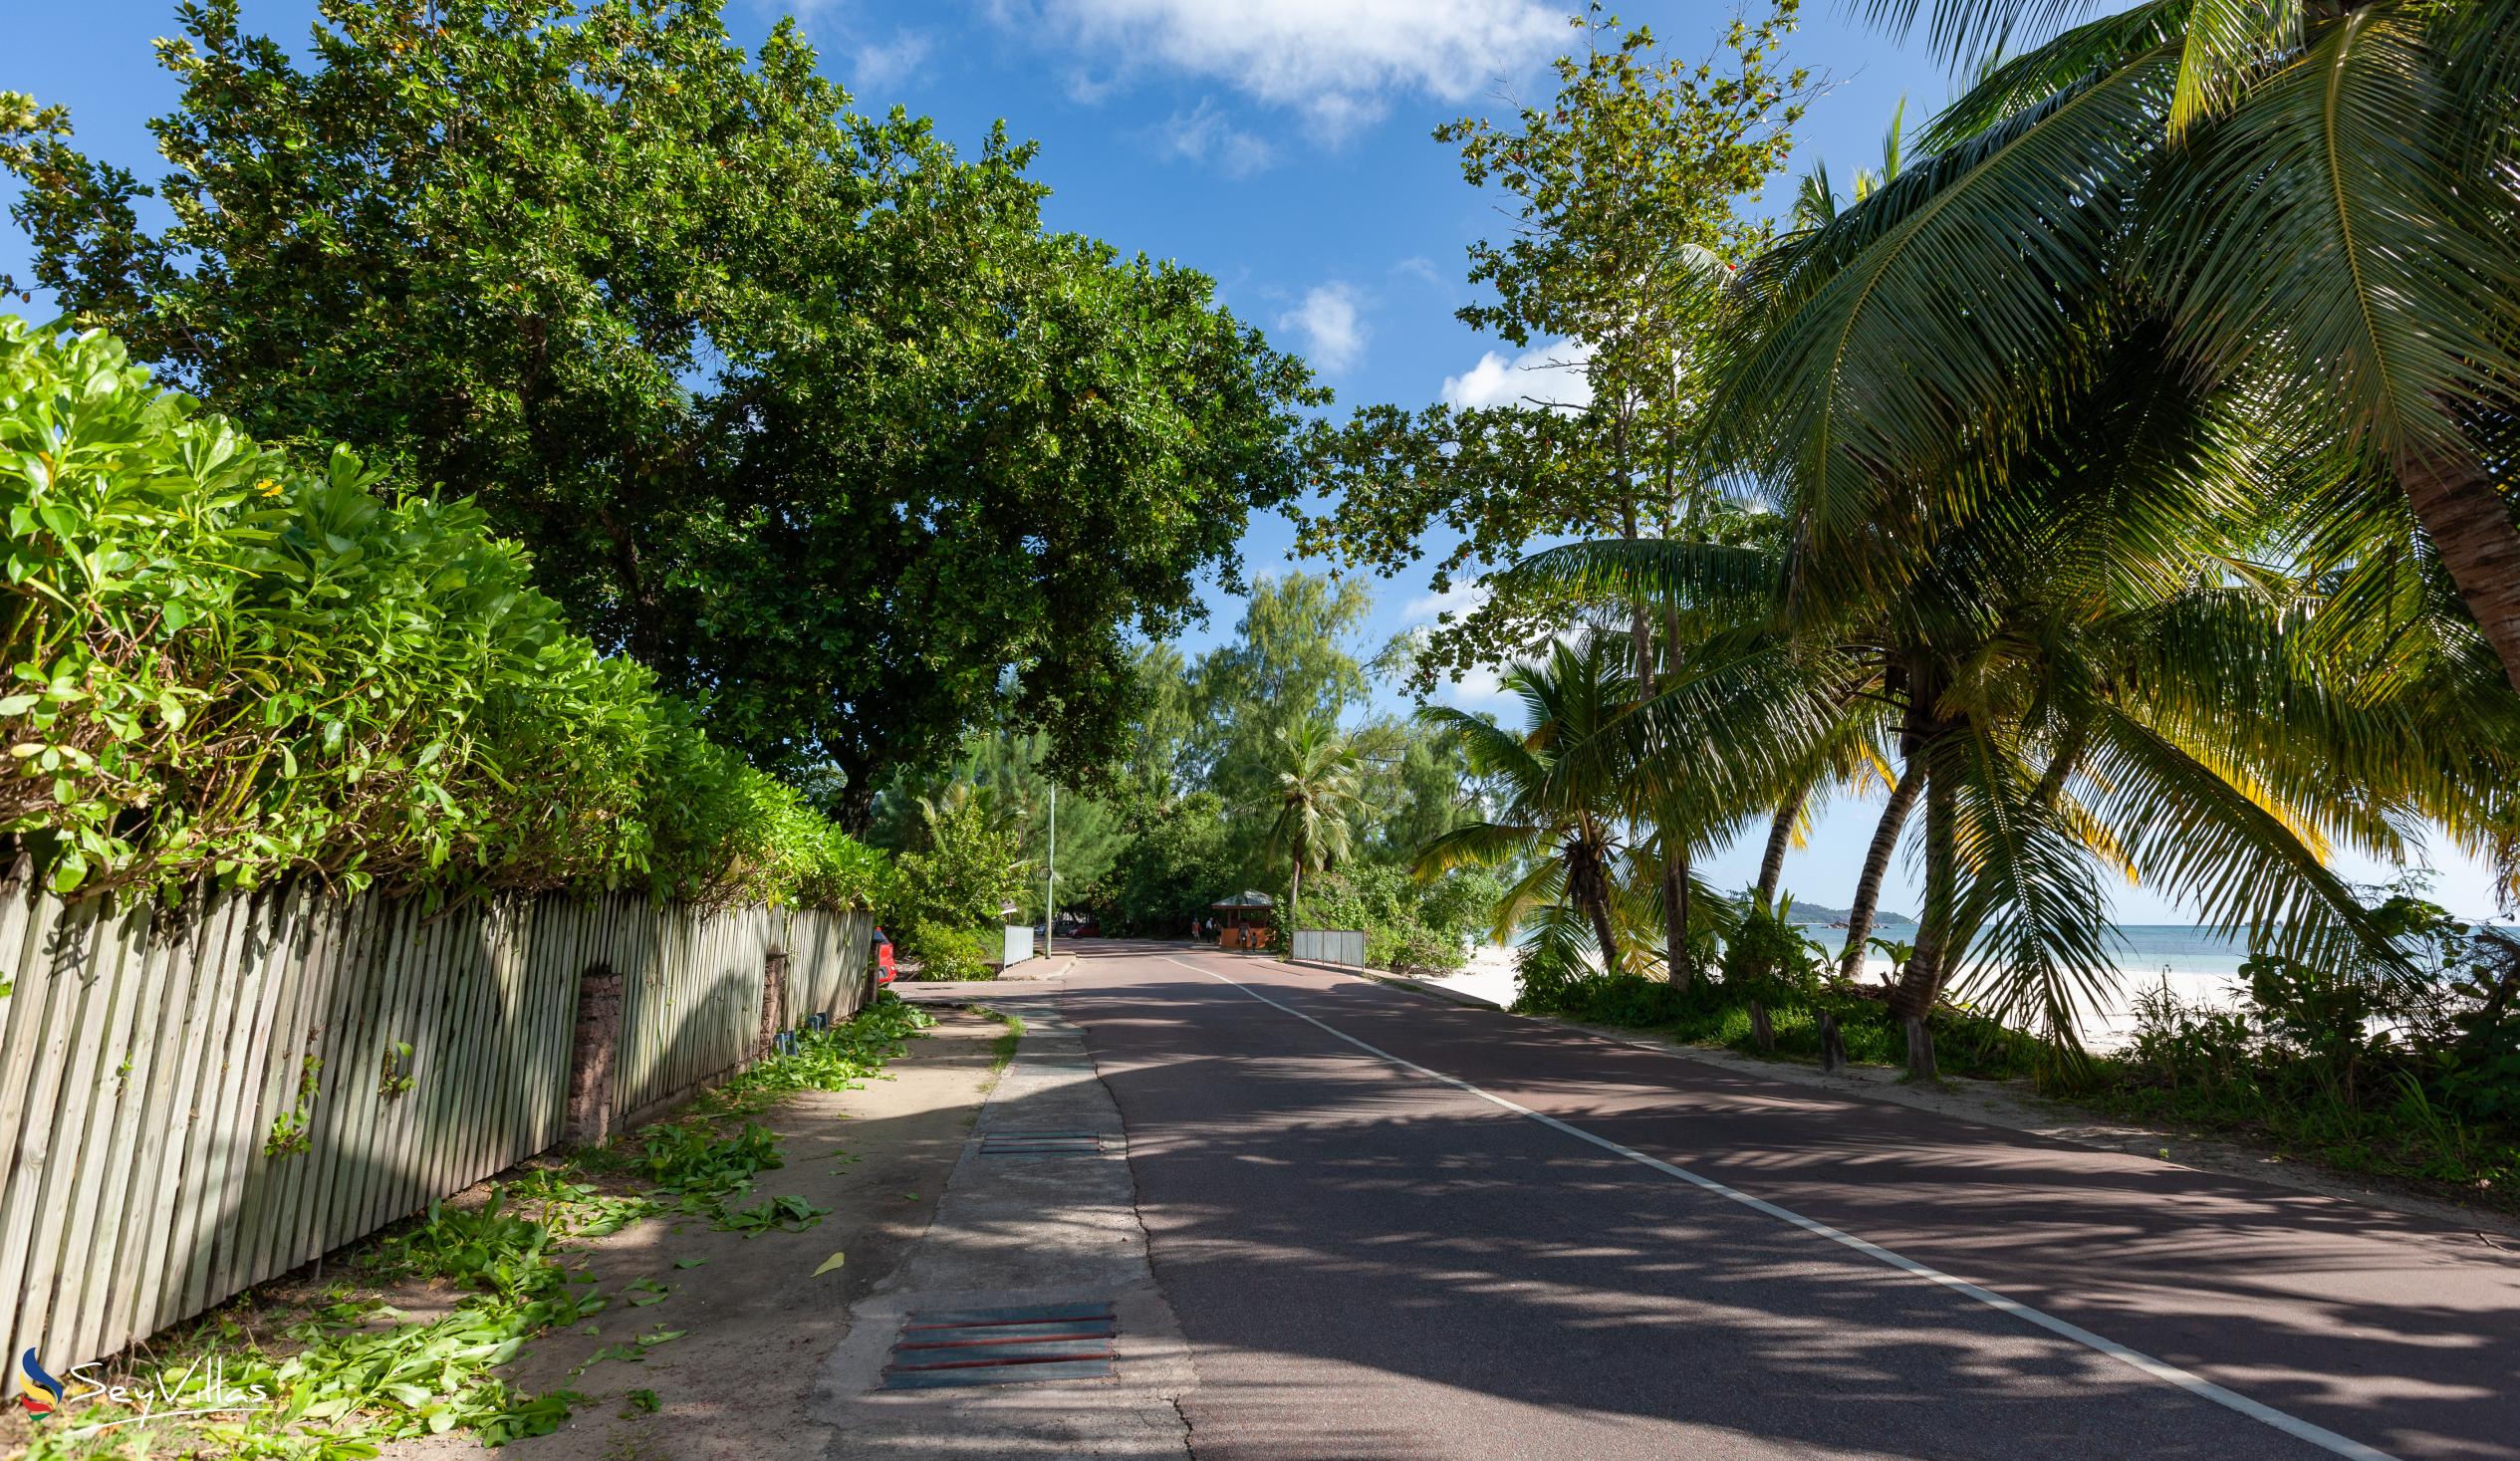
[(804, 408), (358, 1374), (1717, 1012), (1293, 658), (2401, 1068), (688, 1160), (1767, 956), (1409, 924), (288, 1136), (948, 952), (1631, 192), (1316, 798), (967, 871), (484, 1248), (1559, 820), (1179, 862), (839, 1057), (788, 1214), (1008, 775), (230, 663)]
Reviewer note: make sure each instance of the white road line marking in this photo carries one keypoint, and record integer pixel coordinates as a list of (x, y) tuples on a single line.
[(2194, 1384)]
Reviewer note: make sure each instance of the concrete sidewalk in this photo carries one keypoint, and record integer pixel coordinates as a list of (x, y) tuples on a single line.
[(1019, 1229)]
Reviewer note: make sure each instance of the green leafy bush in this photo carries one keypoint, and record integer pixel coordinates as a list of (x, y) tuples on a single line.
[(946, 951), (1408, 924), (224, 660), (1767, 956), (2408, 1069), (836, 1058), (951, 893)]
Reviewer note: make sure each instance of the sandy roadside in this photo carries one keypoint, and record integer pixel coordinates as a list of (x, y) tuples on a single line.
[(755, 1321)]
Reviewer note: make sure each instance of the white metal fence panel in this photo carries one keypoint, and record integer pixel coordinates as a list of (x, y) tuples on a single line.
[(1019, 945), (1330, 946), (194, 1101)]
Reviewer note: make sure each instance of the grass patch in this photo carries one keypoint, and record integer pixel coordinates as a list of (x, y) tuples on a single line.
[(1002, 1049)]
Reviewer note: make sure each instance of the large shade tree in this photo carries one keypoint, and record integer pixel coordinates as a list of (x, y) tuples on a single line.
[(804, 408)]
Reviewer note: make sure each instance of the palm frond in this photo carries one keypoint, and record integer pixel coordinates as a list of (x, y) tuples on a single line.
[(1915, 334), (2225, 42), (2322, 226), (2028, 912), (2014, 84)]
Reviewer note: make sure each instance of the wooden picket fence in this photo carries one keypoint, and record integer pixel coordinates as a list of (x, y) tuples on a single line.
[(194, 1103)]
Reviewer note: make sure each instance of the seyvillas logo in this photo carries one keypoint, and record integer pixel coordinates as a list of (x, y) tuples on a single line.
[(199, 1388), (31, 1379)]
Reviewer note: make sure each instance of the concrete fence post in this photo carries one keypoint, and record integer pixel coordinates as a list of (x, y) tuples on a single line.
[(774, 1001), (588, 1121)]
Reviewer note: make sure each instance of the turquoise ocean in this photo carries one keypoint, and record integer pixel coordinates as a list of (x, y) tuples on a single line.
[(2141, 948)]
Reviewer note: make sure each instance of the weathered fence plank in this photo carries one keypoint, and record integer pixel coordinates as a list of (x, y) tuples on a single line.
[(152, 1063)]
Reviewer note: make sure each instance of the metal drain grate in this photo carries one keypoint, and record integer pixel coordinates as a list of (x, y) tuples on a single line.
[(1021, 1144), (1002, 1347)]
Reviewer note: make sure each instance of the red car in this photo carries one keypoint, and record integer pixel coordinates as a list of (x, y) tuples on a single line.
[(885, 971)]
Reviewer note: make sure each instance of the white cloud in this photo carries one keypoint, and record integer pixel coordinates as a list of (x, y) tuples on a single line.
[(1334, 333), (1481, 687), (874, 67), (1423, 269), (1547, 375), (1204, 136), (1336, 60), (1457, 600)]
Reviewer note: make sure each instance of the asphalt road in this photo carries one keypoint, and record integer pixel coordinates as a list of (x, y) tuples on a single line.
[(1371, 1262)]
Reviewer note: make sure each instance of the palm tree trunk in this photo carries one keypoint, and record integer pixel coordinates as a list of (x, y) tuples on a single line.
[(1676, 965), (1780, 834), (1588, 884), (2471, 528), (1868, 886), (1911, 1001), (1295, 905)]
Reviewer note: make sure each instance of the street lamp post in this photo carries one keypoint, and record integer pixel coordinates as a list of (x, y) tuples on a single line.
[(1050, 883)]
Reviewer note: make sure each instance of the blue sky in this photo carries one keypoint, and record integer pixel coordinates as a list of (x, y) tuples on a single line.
[(1278, 145)]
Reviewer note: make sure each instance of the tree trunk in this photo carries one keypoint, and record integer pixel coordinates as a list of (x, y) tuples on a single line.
[(1780, 833), (1676, 969), (1585, 882), (1868, 887), (2471, 528), (1598, 907), (1832, 1046), (1920, 1066), (1675, 912), (1924, 976), (1293, 905), (854, 808)]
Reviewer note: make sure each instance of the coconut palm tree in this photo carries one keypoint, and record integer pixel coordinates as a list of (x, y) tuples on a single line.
[(1317, 799), (2317, 199), (2090, 673), (1567, 831)]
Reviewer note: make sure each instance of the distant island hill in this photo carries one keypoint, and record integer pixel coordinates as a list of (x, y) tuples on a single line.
[(1836, 918)]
